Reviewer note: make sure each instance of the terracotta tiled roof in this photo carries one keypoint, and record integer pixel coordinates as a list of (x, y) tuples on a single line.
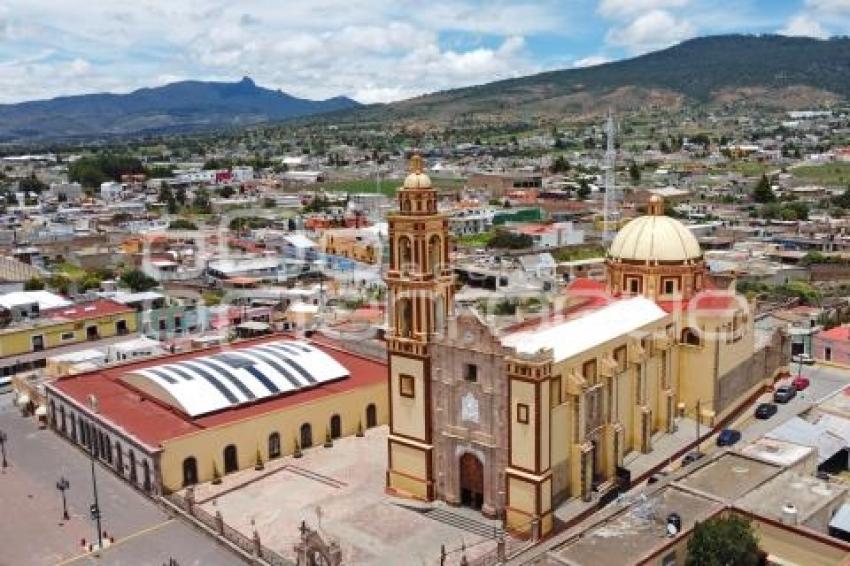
[(152, 422)]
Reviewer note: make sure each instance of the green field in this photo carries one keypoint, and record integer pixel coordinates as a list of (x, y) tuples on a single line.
[(827, 174), (475, 240), (385, 186)]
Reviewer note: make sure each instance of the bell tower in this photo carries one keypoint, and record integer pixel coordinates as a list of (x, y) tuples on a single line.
[(419, 294)]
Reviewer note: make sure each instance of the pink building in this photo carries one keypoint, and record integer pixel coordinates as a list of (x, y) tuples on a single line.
[(832, 345)]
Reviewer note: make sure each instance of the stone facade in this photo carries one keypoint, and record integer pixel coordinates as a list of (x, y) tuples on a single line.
[(469, 396)]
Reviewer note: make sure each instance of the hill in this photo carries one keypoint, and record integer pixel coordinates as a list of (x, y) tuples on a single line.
[(177, 107), (769, 70)]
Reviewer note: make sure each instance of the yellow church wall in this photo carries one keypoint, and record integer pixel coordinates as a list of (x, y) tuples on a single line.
[(408, 412), (625, 402), (251, 434), (545, 420), (409, 461), (696, 376), (562, 434), (522, 435)]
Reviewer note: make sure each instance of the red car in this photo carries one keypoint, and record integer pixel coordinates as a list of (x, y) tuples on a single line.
[(800, 382)]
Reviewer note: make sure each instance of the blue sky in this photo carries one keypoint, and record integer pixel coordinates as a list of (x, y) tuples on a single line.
[(371, 50)]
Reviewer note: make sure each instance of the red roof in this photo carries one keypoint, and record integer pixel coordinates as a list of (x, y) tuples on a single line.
[(152, 422), (837, 333), (84, 311)]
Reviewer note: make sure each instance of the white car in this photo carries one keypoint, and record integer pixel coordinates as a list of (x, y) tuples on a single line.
[(803, 359)]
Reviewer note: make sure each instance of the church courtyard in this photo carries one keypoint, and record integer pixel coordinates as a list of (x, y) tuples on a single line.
[(341, 491)]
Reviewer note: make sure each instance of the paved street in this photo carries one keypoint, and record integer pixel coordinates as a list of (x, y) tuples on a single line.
[(33, 532)]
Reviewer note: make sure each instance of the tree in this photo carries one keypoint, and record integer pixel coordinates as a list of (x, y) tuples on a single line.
[(509, 240), (138, 281), (723, 541), (201, 202), (634, 172), (182, 224), (32, 184), (842, 200), (560, 165), (60, 283), (583, 189), (226, 191), (763, 192), (34, 284)]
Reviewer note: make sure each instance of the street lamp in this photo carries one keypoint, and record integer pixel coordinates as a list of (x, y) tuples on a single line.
[(63, 485), (94, 508), (3, 438)]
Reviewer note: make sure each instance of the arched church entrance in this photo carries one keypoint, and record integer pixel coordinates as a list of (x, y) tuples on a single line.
[(471, 481)]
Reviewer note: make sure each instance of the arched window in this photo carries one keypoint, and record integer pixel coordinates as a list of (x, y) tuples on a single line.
[(336, 426), (371, 415), (691, 336), (119, 458), (306, 435), (405, 253), (133, 476), (274, 445), (190, 471), (231, 461), (146, 470), (405, 317), (435, 253)]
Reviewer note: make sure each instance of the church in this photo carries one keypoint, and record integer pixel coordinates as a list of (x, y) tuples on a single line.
[(515, 420)]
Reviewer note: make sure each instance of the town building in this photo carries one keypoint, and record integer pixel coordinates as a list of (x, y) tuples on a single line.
[(513, 421), (169, 422)]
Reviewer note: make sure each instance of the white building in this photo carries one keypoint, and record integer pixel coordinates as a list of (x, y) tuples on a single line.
[(111, 191)]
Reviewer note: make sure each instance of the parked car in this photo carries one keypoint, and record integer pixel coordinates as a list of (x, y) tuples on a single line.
[(801, 382), (766, 410), (692, 457), (728, 437), (803, 359), (784, 394)]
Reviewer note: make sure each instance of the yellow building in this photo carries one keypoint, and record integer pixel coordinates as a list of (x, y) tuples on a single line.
[(515, 420), (359, 244), (28, 342), (167, 423)]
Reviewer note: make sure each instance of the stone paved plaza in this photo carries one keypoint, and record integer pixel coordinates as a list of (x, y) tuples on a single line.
[(341, 490), (34, 534)]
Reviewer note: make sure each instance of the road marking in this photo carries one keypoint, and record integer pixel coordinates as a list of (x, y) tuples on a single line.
[(119, 541)]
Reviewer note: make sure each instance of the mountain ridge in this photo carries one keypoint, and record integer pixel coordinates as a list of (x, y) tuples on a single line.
[(702, 70), (180, 106)]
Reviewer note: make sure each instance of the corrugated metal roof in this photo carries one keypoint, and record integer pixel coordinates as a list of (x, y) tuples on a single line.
[(233, 377)]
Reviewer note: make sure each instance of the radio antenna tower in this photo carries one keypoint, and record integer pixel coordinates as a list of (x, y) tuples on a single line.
[(610, 202)]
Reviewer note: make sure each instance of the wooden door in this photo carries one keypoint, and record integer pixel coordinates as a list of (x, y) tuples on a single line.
[(471, 481)]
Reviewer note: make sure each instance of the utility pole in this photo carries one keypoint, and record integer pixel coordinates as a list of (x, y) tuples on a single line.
[(3, 439), (610, 207), (698, 417), (62, 485), (94, 509)]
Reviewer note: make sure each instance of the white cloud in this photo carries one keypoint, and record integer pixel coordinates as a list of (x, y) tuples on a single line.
[(591, 61), (804, 25), (820, 18), (652, 30), (373, 50), (624, 9)]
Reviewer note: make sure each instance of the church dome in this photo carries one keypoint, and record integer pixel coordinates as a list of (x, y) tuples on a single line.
[(417, 179), (655, 237)]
